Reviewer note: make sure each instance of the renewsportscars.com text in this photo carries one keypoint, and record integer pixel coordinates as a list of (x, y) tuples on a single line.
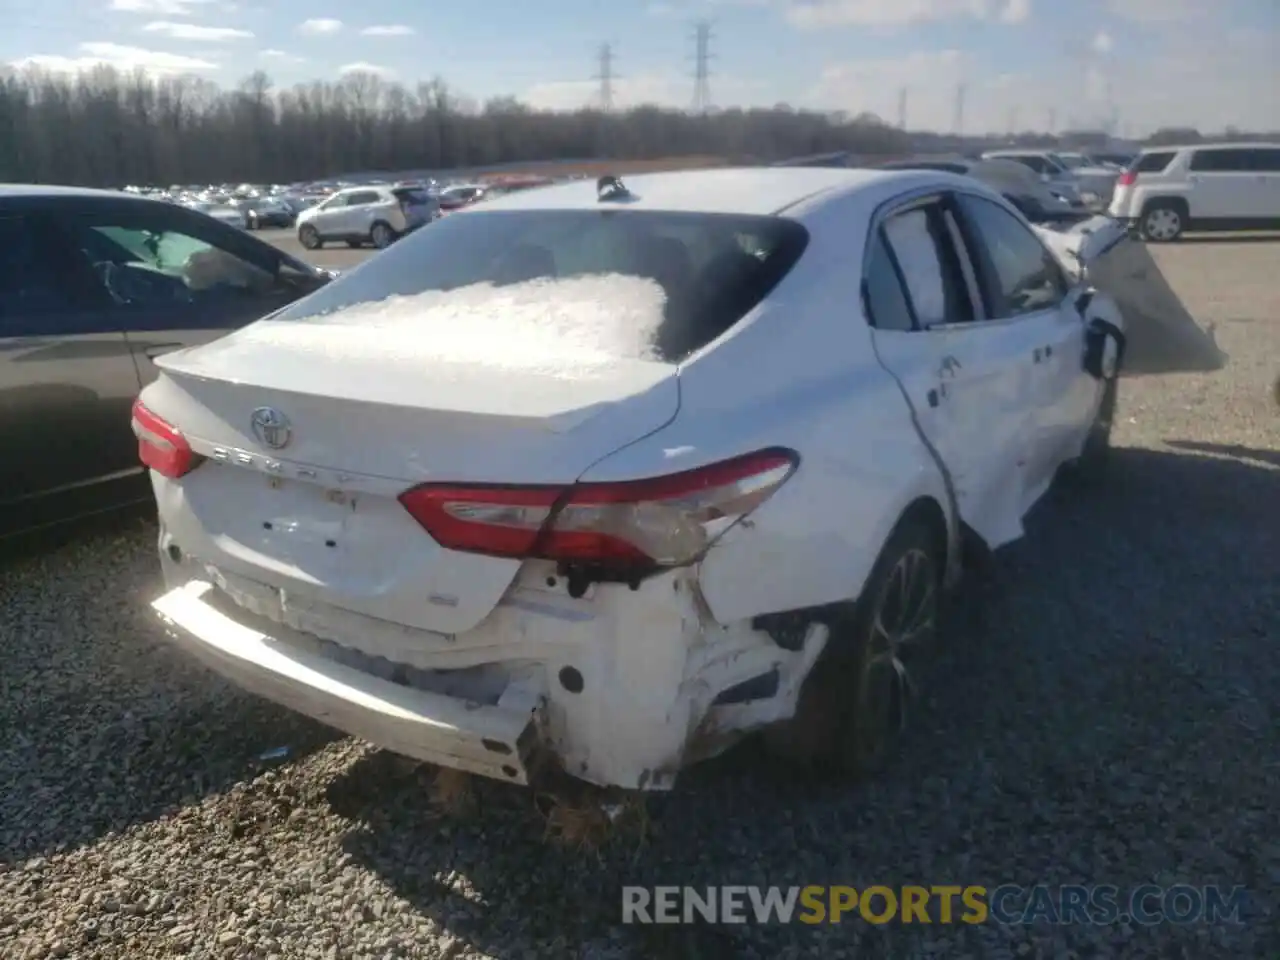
[(942, 904)]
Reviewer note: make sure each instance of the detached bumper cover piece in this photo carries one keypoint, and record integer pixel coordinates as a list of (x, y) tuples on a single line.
[(490, 740)]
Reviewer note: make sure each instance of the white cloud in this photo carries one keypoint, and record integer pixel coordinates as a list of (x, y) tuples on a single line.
[(120, 56), (1017, 11), (281, 56), (389, 30), (1102, 42), (195, 31), (385, 73), (821, 14), (320, 26), (169, 7)]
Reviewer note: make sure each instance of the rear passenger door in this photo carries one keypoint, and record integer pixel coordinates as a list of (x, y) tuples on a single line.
[(1225, 185), (1026, 295), (968, 381), (67, 381), (362, 208), (1266, 163)]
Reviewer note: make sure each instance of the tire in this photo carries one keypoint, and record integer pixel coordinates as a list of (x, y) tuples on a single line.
[(382, 236), (853, 706), (1163, 221), (309, 237)]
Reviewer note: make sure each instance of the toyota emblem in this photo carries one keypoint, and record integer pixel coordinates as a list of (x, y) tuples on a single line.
[(271, 427)]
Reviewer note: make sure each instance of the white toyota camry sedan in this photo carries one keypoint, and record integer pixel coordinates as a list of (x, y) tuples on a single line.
[(600, 477)]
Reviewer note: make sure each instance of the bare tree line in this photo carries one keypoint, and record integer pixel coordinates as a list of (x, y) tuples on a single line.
[(105, 127)]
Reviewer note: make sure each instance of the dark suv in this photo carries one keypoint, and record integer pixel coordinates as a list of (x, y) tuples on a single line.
[(93, 287)]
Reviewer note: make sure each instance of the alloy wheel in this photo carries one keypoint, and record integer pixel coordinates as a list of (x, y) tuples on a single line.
[(1163, 224), (902, 621)]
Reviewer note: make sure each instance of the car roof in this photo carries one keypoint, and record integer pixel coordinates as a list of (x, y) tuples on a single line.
[(742, 190), (41, 190), (1238, 145)]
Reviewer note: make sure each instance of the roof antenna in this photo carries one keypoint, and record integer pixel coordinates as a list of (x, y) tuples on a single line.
[(610, 187)]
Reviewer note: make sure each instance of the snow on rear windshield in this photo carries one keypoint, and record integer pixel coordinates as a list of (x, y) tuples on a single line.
[(563, 326), (617, 284)]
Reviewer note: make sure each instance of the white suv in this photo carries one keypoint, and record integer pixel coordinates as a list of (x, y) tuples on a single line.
[(368, 214), (1227, 186)]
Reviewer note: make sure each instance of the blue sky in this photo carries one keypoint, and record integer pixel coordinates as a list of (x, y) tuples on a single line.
[(1147, 62)]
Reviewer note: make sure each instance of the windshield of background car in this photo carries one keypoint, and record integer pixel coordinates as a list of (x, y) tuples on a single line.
[(638, 284)]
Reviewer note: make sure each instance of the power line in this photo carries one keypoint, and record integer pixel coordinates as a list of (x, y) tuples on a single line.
[(605, 75), (702, 57)]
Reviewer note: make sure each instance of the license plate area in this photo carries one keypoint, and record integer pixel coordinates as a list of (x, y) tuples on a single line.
[(304, 524)]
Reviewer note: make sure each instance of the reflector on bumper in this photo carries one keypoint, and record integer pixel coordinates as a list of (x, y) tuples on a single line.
[(493, 741)]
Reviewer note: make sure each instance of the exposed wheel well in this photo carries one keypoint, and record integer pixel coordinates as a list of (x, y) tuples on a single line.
[(928, 511)]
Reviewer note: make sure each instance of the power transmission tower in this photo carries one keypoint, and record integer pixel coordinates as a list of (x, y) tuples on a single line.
[(702, 57), (958, 119), (1053, 121), (605, 76), (1013, 121), (902, 109)]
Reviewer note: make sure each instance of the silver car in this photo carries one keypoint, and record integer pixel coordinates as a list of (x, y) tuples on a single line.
[(370, 214)]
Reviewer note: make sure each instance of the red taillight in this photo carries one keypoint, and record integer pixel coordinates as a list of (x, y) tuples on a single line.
[(661, 521), (1126, 179), (161, 446)]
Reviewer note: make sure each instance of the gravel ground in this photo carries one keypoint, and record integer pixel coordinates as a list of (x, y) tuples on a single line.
[(1112, 720)]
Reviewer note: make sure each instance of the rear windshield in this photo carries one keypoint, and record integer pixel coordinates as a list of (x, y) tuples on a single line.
[(411, 195), (634, 284), (1152, 162)]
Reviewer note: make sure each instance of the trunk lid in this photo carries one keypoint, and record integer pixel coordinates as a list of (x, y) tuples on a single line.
[(373, 410)]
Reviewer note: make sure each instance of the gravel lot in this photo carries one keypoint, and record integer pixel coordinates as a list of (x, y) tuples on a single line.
[(1112, 719)]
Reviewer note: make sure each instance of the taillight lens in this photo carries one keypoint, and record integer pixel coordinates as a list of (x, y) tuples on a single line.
[(161, 446), (664, 521), (1126, 179)]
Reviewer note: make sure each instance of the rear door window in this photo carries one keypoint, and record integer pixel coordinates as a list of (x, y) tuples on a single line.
[(927, 261), (1152, 162), (173, 268), (885, 298), (631, 284), (362, 197)]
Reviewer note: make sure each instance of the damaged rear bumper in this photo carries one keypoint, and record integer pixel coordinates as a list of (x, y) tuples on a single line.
[(495, 740), (621, 688)]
